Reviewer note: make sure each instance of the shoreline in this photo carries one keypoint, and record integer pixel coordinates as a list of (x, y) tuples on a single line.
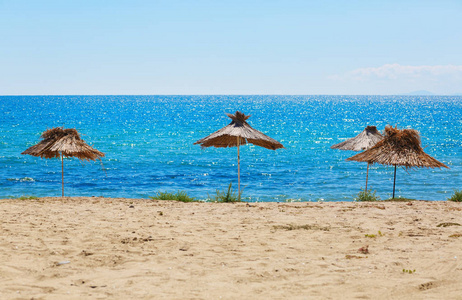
[(123, 248)]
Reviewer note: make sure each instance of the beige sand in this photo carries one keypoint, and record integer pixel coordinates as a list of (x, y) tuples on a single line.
[(101, 248)]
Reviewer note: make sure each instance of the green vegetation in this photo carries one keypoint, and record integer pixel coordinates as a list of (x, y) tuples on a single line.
[(27, 198), (400, 199), (179, 196), (457, 197), (228, 196), (408, 271), (367, 196), (374, 235)]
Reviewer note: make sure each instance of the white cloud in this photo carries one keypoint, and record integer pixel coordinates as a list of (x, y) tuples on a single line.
[(399, 72), (396, 78)]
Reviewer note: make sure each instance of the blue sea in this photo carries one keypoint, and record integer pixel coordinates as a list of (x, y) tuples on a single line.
[(148, 142)]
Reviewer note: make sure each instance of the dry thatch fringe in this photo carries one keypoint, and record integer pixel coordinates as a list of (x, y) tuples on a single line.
[(66, 141), (399, 148), (238, 128), (363, 141)]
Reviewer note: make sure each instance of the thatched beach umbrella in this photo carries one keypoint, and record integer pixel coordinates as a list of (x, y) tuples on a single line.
[(237, 133), (60, 142), (363, 141), (399, 148)]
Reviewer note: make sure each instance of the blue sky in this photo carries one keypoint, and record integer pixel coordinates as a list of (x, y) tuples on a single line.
[(230, 47)]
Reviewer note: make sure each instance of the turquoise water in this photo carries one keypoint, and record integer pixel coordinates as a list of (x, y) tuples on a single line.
[(148, 142)]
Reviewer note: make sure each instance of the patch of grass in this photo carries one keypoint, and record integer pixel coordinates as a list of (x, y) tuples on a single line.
[(227, 197), (179, 196), (399, 199), (374, 235), (408, 271), (367, 196), (456, 197), (27, 198)]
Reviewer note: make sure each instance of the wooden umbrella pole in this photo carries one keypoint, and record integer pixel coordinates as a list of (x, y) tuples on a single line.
[(62, 175), (367, 175), (238, 168), (394, 182)]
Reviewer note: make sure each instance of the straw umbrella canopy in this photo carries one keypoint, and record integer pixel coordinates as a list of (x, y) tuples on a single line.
[(399, 148), (363, 141), (237, 133), (60, 142)]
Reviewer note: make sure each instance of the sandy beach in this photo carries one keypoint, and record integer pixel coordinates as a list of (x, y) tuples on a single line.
[(108, 248)]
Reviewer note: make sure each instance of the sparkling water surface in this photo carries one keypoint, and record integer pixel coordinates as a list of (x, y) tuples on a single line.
[(148, 142)]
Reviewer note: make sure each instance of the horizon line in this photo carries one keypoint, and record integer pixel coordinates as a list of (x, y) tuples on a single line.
[(403, 94)]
